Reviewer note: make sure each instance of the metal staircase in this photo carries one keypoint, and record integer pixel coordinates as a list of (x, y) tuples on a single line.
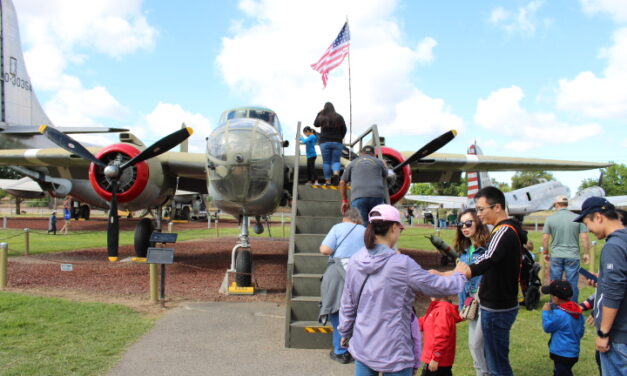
[(315, 209)]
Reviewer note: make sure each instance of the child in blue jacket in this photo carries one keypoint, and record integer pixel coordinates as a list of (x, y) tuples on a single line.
[(310, 140), (563, 319)]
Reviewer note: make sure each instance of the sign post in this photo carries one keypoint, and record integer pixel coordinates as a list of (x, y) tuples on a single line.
[(159, 256)]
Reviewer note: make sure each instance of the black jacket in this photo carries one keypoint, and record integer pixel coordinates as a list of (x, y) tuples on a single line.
[(500, 266), (332, 129)]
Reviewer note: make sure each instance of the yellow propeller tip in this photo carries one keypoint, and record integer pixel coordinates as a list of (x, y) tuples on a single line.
[(113, 259), (190, 131), (42, 129), (454, 132)]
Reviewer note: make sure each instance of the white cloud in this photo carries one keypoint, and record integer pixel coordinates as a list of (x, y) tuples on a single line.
[(59, 32), (166, 118), (424, 52), (267, 61), (617, 9), (603, 96), (522, 21), (502, 113)]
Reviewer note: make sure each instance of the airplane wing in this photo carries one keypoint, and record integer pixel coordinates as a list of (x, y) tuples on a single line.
[(188, 167), (449, 202), (620, 201), (447, 167), (24, 184)]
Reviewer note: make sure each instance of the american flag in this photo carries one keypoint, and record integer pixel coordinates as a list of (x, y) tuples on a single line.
[(334, 55)]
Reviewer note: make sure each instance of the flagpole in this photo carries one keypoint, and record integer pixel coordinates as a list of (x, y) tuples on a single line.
[(350, 97)]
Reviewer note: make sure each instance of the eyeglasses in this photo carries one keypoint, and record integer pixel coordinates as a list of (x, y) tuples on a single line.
[(480, 210), (467, 224)]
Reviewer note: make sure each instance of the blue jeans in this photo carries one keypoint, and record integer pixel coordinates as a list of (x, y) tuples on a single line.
[(335, 321), (365, 204), (496, 327), (331, 153), (570, 266), (614, 362), (363, 370)]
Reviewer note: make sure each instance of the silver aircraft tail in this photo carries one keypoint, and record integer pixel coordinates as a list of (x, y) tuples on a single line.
[(18, 101)]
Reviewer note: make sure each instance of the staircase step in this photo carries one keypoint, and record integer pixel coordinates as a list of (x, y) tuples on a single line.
[(310, 263), (315, 224), (299, 338), (308, 243), (306, 284), (305, 308), (319, 208), (318, 192)]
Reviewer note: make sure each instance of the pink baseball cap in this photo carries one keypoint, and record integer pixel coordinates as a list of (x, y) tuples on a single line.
[(386, 213)]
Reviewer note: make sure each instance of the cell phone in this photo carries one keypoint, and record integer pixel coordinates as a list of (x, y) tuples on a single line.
[(587, 274)]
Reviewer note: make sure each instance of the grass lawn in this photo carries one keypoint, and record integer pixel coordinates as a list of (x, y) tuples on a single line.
[(43, 336)]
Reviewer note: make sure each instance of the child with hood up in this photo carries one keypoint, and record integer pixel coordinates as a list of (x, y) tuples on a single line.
[(438, 327), (562, 318)]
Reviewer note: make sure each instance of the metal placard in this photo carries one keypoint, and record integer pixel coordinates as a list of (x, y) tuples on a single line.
[(160, 255), (163, 237), (66, 267)]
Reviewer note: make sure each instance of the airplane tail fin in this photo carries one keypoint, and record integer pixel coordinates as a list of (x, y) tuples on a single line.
[(18, 103), (476, 180)]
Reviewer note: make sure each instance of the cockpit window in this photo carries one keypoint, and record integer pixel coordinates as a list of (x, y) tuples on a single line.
[(236, 114)]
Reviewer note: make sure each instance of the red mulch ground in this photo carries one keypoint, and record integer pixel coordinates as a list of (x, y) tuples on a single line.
[(196, 275)]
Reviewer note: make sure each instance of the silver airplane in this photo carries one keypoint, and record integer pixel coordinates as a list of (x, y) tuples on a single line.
[(244, 168), (520, 202)]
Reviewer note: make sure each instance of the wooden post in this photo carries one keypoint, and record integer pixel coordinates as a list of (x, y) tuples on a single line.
[(154, 298), (26, 241), (4, 251)]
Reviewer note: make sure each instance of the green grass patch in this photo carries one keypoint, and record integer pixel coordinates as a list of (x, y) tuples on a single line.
[(46, 336)]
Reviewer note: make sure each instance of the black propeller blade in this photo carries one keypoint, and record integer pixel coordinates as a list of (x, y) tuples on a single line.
[(68, 143), (113, 224), (113, 171), (160, 147), (429, 148)]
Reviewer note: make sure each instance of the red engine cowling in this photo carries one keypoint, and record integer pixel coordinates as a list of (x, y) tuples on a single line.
[(133, 180), (399, 186)]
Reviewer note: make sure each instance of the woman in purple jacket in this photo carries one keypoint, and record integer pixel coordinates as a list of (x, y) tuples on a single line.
[(376, 312)]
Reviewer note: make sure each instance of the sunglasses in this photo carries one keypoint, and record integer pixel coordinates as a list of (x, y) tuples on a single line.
[(466, 224)]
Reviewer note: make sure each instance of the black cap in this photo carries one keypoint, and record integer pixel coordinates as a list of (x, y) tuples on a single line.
[(559, 288), (368, 149), (593, 205)]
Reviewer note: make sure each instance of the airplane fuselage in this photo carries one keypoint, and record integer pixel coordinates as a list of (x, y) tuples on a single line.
[(245, 170)]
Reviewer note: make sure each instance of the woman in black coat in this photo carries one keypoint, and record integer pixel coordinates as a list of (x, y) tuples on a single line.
[(332, 132)]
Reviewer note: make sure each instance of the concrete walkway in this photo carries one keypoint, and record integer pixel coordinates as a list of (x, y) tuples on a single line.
[(220, 338)]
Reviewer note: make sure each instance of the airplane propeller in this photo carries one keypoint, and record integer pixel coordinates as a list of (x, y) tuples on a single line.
[(428, 149), (114, 171)]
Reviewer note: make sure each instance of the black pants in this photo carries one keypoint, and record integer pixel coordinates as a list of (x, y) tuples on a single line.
[(311, 170), (563, 365), (442, 371)]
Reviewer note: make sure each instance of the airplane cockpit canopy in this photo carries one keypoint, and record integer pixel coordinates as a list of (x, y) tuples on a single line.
[(260, 113)]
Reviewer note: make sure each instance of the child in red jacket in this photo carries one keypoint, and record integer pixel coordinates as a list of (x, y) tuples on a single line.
[(438, 327)]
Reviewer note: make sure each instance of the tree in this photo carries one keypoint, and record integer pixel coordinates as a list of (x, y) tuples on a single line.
[(7, 173), (614, 181), (501, 185), (440, 189), (523, 179)]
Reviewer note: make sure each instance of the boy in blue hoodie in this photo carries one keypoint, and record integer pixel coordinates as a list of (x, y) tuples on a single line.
[(562, 318), (310, 140)]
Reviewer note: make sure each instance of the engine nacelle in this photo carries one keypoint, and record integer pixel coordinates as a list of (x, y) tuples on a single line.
[(398, 186), (139, 187)]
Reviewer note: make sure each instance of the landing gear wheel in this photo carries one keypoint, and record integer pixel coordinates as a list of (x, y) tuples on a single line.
[(84, 212), (243, 268), (532, 298), (185, 213), (143, 230)]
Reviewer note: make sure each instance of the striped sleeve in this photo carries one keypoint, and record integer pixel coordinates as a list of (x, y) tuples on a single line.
[(493, 254)]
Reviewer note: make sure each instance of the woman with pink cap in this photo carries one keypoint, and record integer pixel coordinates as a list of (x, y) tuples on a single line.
[(376, 312)]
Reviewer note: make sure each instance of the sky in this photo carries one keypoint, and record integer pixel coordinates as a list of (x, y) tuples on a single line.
[(539, 79)]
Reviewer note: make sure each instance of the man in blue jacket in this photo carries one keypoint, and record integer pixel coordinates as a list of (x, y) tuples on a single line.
[(610, 309)]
